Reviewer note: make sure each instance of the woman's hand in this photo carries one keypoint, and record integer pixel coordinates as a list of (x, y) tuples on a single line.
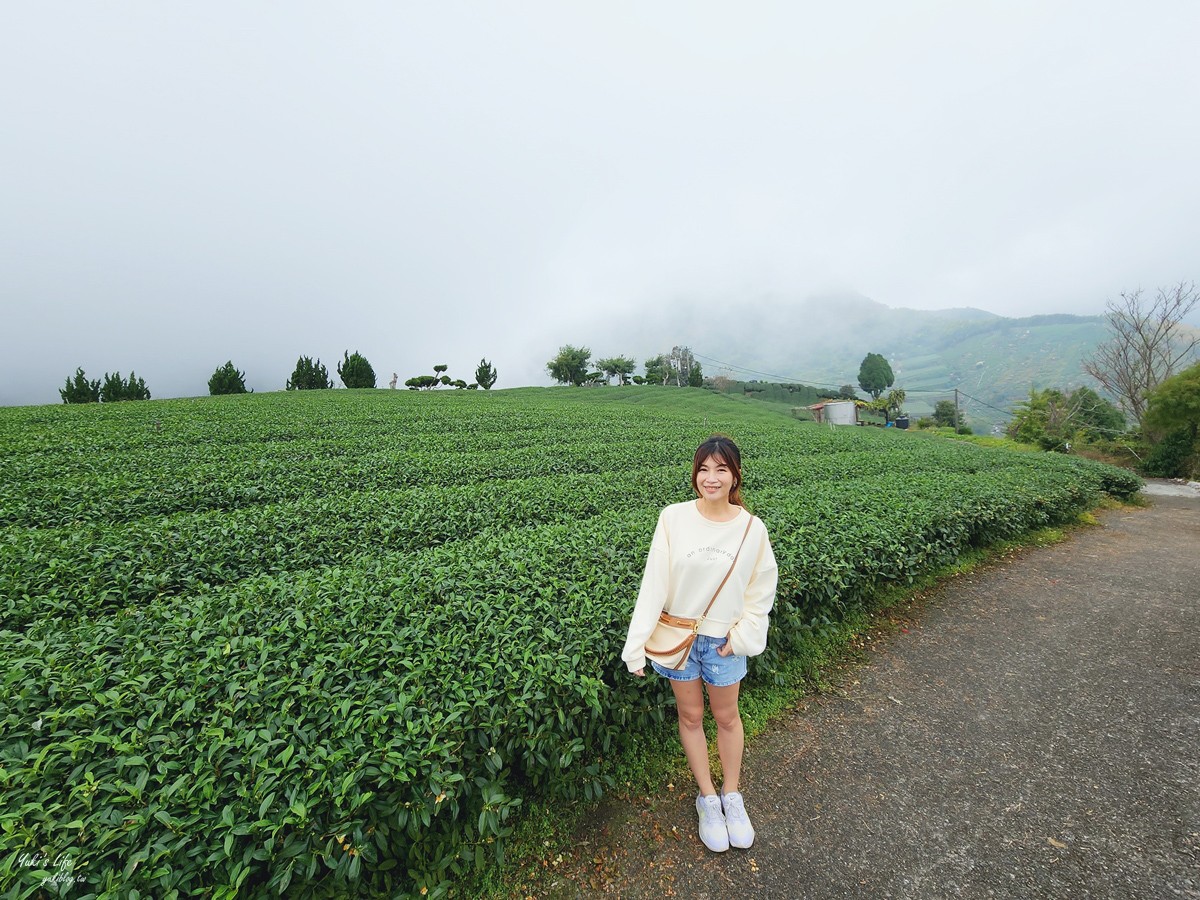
[(640, 673), (726, 649)]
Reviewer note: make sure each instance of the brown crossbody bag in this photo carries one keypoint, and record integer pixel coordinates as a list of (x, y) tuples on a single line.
[(673, 636)]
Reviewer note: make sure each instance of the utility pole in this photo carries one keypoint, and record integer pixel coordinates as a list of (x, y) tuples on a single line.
[(957, 420)]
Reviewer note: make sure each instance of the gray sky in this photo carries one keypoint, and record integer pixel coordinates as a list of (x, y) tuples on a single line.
[(436, 182)]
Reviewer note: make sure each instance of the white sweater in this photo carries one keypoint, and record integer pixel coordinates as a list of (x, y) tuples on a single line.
[(689, 556)]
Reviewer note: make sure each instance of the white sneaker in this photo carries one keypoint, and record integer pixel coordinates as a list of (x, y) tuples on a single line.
[(712, 823), (737, 823)]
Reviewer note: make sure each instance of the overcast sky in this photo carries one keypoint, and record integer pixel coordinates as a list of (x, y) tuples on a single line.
[(436, 182)]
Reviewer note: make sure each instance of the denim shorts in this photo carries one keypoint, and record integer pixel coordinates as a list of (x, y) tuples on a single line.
[(704, 661)]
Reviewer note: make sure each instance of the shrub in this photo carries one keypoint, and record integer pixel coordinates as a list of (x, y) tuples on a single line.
[(485, 375), (945, 413), (309, 376), (355, 371), (80, 390), (227, 380), (1172, 457), (422, 382), (115, 388)]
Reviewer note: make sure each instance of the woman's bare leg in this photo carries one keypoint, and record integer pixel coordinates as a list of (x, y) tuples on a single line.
[(689, 702), (731, 740)]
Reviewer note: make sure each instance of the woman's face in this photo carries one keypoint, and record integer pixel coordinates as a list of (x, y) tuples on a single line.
[(714, 480)]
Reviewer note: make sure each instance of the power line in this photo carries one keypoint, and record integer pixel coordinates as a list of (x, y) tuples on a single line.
[(984, 403)]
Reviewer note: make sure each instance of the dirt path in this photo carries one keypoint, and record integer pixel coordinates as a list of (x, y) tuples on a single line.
[(1034, 733)]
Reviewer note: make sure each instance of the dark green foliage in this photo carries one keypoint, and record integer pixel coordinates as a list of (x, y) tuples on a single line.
[(485, 375), (679, 367), (570, 366), (355, 371), (429, 382), (1174, 407), (944, 414), (619, 367), (422, 382), (1175, 456), (309, 376), (80, 390), (1098, 418), (875, 375), (847, 392), (115, 388), (268, 645), (659, 370), (1052, 420), (227, 380), (1175, 403)]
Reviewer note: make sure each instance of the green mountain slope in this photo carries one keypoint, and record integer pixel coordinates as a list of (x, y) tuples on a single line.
[(993, 359)]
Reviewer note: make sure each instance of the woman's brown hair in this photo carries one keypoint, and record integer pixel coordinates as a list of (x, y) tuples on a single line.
[(726, 451)]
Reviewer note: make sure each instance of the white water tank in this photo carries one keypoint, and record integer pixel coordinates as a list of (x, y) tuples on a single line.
[(841, 412)]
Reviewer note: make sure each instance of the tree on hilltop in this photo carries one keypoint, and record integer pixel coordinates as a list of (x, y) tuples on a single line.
[(485, 375), (429, 382), (355, 371), (309, 376), (619, 367), (875, 375), (682, 362), (227, 380), (570, 366), (659, 369), (80, 390), (114, 388)]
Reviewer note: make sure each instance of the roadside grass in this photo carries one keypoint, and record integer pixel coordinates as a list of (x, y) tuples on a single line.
[(544, 849), (981, 440)]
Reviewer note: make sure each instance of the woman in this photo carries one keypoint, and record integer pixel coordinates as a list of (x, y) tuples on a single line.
[(696, 544)]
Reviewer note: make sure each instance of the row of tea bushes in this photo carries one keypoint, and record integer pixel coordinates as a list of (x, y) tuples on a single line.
[(351, 690)]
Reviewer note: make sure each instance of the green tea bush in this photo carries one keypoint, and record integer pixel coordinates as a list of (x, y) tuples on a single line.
[(327, 644)]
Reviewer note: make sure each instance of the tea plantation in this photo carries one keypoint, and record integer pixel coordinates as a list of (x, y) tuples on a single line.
[(326, 643)]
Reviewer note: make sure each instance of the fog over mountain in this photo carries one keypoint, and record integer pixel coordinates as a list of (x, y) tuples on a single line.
[(822, 340), (435, 183)]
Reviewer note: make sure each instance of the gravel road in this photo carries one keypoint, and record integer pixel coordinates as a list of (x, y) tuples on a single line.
[(1029, 730)]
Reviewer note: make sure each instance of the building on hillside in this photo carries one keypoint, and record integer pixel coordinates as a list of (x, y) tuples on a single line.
[(835, 412)]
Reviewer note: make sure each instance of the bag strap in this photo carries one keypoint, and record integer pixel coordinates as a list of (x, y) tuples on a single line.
[(704, 615)]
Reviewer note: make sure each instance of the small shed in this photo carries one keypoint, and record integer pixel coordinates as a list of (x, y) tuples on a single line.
[(835, 412)]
